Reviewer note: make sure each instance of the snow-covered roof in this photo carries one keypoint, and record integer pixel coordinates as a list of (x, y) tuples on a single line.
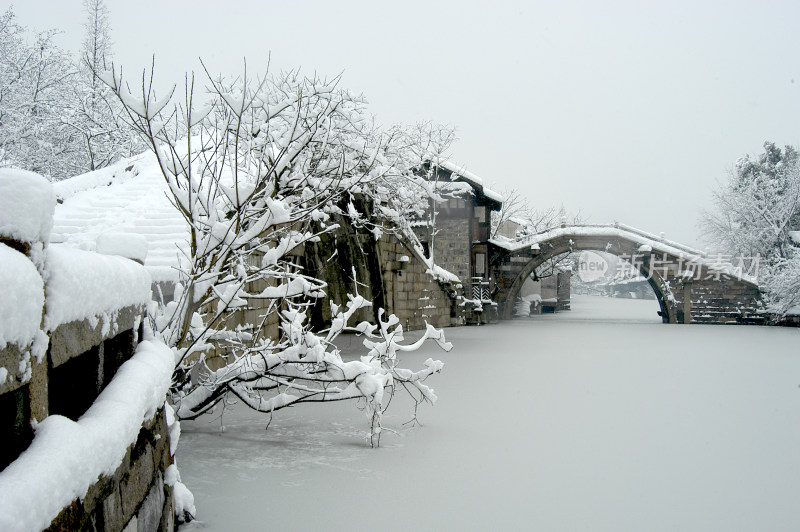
[(127, 197), (472, 179), (795, 236)]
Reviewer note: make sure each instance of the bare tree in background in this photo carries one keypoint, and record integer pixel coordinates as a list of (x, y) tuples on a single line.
[(427, 147), (515, 210), (34, 91), (530, 221), (96, 114)]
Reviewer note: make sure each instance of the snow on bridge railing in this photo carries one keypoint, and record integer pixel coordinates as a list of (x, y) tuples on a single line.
[(718, 263), (658, 238), (611, 230)]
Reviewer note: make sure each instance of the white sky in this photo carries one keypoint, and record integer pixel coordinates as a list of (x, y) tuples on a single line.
[(626, 111)]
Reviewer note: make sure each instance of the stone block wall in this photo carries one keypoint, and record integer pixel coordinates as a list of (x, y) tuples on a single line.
[(386, 271), (453, 247), (81, 360), (135, 498), (411, 294), (711, 301)]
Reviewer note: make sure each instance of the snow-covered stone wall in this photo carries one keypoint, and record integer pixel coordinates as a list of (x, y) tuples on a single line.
[(86, 441), (453, 246)]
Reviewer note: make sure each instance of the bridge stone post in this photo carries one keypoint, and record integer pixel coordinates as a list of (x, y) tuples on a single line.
[(687, 302)]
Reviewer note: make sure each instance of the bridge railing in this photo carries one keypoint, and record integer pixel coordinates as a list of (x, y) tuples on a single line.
[(659, 238), (548, 233)]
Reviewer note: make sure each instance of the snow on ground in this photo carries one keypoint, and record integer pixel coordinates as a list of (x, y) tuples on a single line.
[(559, 422)]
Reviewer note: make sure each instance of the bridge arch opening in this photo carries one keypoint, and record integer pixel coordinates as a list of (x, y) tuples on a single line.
[(593, 273), (513, 278), (660, 289)]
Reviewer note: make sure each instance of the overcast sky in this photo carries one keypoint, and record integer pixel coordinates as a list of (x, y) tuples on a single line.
[(627, 111)]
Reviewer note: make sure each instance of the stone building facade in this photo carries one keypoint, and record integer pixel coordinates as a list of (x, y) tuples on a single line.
[(412, 294), (460, 236)]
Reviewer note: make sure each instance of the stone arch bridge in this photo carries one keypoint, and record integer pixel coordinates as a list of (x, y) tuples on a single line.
[(691, 287)]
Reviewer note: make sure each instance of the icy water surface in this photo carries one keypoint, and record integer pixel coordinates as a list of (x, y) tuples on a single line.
[(600, 418)]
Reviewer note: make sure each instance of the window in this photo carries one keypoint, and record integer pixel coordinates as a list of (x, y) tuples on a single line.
[(480, 264)]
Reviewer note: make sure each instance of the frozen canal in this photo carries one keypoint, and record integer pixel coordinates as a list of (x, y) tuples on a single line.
[(601, 418)]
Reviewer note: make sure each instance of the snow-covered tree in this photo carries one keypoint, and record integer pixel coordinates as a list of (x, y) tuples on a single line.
[(754, 216), (56, 117), (515, 209), (34, 90), (94, 112), (758, 206), (256, 166)]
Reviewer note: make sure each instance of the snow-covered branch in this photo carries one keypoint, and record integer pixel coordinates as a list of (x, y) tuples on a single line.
[(303, 367)]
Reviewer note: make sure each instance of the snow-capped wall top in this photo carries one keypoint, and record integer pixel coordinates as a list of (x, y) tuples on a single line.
[(84, 284), (127, 197), (116, 172), (67, 457), (26, 205), (128, 245), (23, 298), (472, 179)]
